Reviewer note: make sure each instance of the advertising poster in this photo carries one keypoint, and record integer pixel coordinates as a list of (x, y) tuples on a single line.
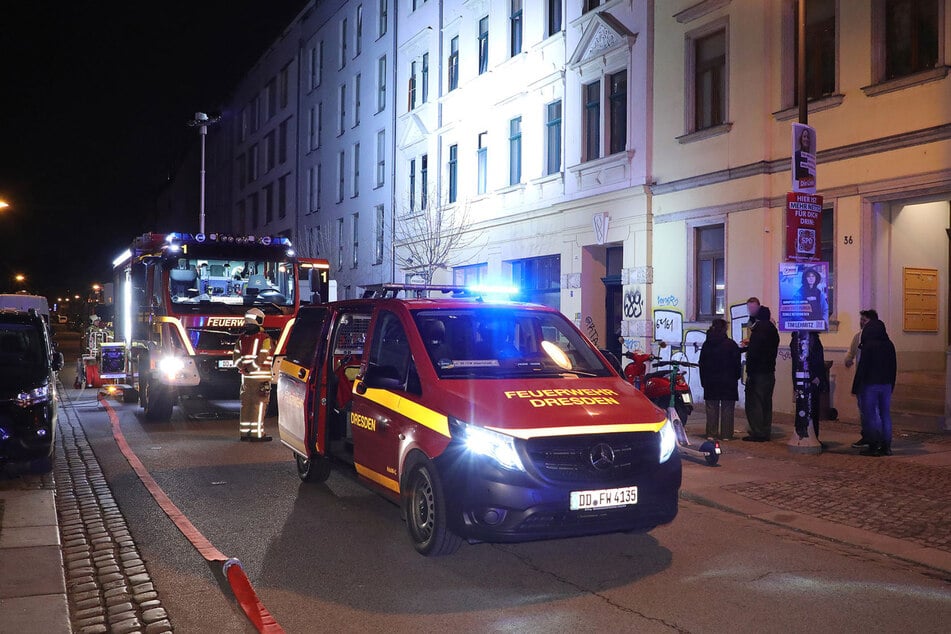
[(803, 303), (803, 158)]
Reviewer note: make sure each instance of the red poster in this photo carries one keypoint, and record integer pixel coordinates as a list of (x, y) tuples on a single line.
[(803, 227)]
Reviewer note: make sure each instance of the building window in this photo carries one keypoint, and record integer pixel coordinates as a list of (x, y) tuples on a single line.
[(554, 17), (453, 173), (356, 171), (343, 43), (341, 169), (515, 19), (339, 243), (255, 211), (424, 87), (242, 170), (342, 99), (270, 151), (313, 188), (592, 121), (412, 185), (828, 253), (254, 113), (270, 99), (470, 274), (423, 181), (356, 100), (591, 5), (284, 87), (910, 36), (454, 63), (482, 162), (244, 125), (316, 64), (269, 203), (515, 151), (617, 105), (282, 141), (538, 279), (313, 125), (380, 158), (382, 18), (483, 44), (711, 272), (253, 163), (411, 93), (820, 49), (381, 84), (709, 80), (553, 137), (355, 242), (378, 234), (358, 44), (282, 197)]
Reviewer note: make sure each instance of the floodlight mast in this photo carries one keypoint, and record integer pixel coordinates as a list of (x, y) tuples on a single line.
[(202, 121)]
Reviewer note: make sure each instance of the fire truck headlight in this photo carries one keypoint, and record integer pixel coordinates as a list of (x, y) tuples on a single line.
[(485, 442), (668, 441), (34, 397), (171, 366)]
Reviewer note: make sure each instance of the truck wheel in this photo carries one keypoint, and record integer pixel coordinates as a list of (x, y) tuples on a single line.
[(158, 402), (313, 469), (425, 510)]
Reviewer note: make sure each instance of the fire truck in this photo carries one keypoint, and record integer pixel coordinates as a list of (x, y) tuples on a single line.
[(181, 300)]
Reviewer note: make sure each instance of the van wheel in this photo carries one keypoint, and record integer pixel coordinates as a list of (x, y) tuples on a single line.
[(313, 469), (425, 510), (158, 401)]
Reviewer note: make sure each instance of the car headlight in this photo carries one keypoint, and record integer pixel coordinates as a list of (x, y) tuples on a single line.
[(668, 441), (34, 396), (170, 366), (485, 442)]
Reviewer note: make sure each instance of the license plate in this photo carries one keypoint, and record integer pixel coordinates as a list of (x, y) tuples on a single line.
[(603, 498), (226, 363), (686, 397)]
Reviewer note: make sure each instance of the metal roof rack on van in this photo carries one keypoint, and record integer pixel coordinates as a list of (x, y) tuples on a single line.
[(392, 290)]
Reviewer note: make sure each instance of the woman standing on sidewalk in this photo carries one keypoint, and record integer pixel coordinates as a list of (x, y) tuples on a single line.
[(874, 383), (719, 374)]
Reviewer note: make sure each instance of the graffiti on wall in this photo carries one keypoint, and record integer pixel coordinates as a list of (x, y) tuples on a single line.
[(633, 304), (591, 329)]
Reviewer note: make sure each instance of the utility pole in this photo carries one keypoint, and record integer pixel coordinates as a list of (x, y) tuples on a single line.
[(202, 121)]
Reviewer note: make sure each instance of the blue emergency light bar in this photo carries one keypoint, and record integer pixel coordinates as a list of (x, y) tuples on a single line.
[(177, 239)]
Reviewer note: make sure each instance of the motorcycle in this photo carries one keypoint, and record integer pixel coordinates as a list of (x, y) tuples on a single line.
[(669, 390)]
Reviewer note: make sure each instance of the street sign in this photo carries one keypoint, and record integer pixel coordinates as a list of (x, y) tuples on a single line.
[(803, 158), (803, 227)]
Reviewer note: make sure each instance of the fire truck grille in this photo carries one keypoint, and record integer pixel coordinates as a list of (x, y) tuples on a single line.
[(595, 457)]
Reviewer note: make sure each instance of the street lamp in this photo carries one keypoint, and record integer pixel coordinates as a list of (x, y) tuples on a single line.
[(4, 204), (202, 121)]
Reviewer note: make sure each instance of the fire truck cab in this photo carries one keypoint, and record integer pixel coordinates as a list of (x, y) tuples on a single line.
[(181, 305), (484, 420)]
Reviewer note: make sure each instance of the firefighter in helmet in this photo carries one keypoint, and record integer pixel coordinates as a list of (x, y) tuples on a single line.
[(253, 354)]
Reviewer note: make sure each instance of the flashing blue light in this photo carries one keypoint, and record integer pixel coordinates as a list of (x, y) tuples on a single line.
[(485, 289), (200, 238)]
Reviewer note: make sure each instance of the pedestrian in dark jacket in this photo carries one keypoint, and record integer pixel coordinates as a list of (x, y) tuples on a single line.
[(819, 381), (761, 354), (875, 381), (719, 373)]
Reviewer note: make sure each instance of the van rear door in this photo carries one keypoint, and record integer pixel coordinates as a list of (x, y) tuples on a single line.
[(302, 383)]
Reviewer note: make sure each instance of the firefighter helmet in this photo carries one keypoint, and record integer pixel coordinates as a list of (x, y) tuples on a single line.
[(254, 316)]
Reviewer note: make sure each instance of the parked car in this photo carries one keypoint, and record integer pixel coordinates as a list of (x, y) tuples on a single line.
[(28, 408)]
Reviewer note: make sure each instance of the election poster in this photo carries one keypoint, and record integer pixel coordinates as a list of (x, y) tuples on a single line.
[(803, 300)]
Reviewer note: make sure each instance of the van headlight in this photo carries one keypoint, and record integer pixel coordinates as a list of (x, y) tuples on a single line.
[(485, 442), (34, 396), (668, 441), (171, 366)]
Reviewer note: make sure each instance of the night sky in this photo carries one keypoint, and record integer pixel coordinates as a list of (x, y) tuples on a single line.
[(94, 100)]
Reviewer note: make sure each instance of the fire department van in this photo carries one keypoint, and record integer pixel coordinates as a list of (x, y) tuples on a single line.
[(484, 420)]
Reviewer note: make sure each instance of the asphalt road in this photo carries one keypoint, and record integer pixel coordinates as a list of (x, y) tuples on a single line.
[(336, 556)]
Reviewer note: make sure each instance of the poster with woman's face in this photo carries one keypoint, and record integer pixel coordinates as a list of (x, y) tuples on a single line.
[(803, 300), (803, 159)]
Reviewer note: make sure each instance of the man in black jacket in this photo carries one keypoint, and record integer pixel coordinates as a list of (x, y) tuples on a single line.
[(761, 354), (874, 382)]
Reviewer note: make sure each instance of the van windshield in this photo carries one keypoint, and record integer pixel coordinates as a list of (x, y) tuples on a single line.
[(501, 342), (22, 354)]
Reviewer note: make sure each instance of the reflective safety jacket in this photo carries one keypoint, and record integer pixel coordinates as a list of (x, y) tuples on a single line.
[(253, 354)]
